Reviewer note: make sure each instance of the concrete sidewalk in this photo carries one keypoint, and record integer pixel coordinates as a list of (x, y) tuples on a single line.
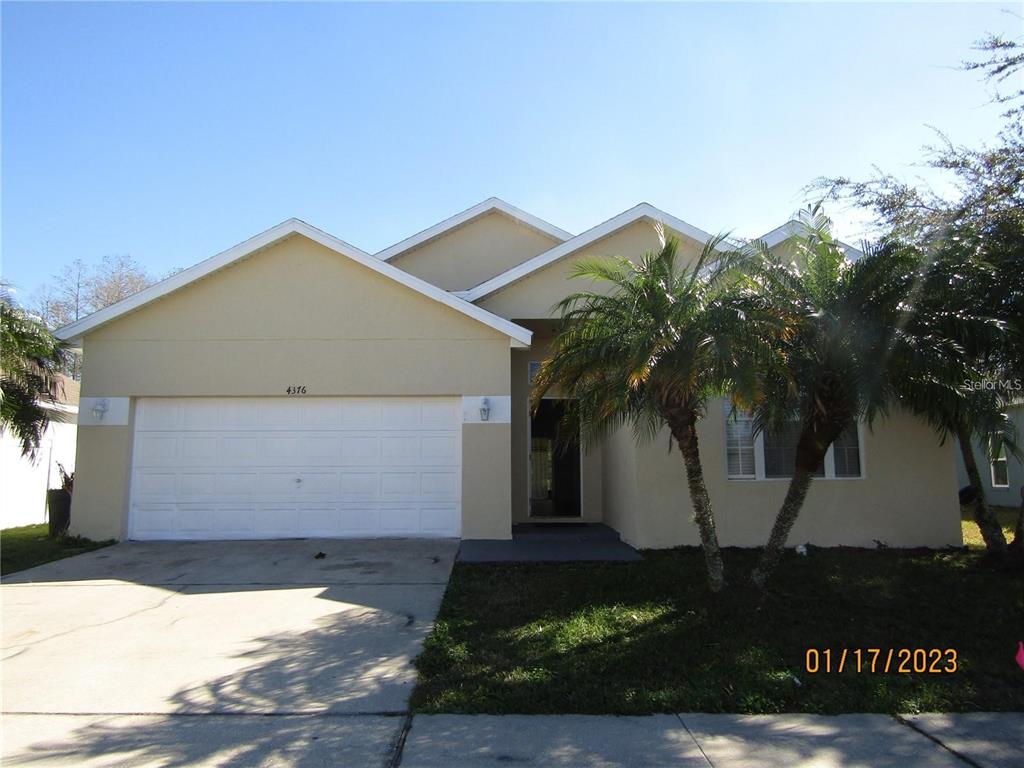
[(580, 741), (718, 741)]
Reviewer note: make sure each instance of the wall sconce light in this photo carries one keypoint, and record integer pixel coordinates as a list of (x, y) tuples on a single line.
[(485, 409), (100, 409)]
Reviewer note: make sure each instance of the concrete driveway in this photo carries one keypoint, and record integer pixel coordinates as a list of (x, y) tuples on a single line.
[(175, 653)]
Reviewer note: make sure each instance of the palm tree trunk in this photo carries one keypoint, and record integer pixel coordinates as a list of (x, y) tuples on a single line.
[(685, 434), (1018, 533), (991, 531), (788, 513)]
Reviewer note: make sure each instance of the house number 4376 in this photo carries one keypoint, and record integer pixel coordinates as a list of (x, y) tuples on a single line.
[(298, 389)]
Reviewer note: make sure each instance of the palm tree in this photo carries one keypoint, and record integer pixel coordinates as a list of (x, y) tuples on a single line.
[(652, 350), (856, 340), (30, 361), (974, 297)]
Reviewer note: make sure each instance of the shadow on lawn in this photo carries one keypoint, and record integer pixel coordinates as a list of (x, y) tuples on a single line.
[(635, 639)]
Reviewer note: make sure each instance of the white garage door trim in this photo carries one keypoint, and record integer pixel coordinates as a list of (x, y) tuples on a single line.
[(296, 467)]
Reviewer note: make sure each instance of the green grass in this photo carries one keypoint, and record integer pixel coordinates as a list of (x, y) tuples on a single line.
[(27, 546), (972, 536), (638, 638)]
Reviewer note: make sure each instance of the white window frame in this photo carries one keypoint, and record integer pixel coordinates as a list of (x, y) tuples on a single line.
[(830, 467), (992, 469)]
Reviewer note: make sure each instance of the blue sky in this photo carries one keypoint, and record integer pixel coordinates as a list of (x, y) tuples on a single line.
[(172, 131)]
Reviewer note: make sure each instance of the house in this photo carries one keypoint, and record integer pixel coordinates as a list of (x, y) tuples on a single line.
[(295, 385), (25, 481), (1002, 478)]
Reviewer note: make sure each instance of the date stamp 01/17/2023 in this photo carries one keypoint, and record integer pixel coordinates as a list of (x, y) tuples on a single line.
[(884, 661)]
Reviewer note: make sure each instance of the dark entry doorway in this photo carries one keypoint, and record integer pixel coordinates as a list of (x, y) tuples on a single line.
[(554, 466)]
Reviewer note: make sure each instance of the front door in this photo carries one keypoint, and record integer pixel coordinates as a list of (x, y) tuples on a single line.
[(554, 464)]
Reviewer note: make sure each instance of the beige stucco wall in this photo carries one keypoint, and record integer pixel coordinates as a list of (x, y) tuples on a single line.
[(535, 295), (532, 299), (486, 482), (591, 492), (620, 484), (907, 496), (294, 313), (477, 251)]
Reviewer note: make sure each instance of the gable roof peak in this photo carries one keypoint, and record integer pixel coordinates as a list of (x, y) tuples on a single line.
[(638, 212), (462, 218), (520, 337)]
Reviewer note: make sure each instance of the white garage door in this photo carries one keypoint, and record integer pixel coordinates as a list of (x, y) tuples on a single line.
[(261, 468)]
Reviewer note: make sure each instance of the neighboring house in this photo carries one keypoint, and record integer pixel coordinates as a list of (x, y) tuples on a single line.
[(295, 385), (23, 483), (1002, 478)]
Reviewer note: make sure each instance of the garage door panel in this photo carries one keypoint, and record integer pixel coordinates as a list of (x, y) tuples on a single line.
[(319, 521), (200, 415), (154, 520), (359, 486), (439, 449), (233, 521), (278, 467), (156, 450), (438, 519), (441, 415), (361, 414), (319, 450), (199, 450), (399, 486), (194, 519), (441, 485), (201, 484), (159, 414), (401, 414), (360, 449), (403, 519), (239, 451), (400, 448), (358, 520), (237, 483), (156, 486), (276, 521)]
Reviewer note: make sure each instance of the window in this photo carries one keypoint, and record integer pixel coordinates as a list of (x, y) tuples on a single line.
[(780, 452), (739, 445), (771, 455), (1000, 474), (846, 453), (534, 369)]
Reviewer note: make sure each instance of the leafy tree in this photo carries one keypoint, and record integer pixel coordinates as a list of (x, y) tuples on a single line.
[(1004, 63), (79, 289), (988, 182), (30, 361), (652, 350), (117, 277), (978, 229), (969, 280), (855, 340)]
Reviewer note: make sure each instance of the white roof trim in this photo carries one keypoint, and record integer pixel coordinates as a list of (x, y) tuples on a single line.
[(520, 336), (641, 211), (459, 219), (794, 228)]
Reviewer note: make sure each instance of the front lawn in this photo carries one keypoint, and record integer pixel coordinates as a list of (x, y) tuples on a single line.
[(27, 546), (637, 638), (972, 536)]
